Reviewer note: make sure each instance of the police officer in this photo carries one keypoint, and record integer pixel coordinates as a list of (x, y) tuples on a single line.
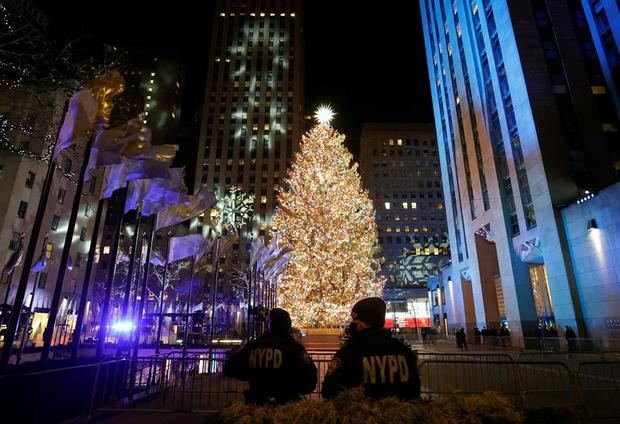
[(277, 367), (382, 365)]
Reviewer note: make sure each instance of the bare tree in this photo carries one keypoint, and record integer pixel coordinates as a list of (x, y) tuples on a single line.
[(39, 63), (173, 277), (239, 272)]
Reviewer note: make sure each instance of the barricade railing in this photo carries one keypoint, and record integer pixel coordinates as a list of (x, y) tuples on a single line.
[(526, 383), (599, 385), (194, 382), (571, 345), (58, 394), (461, 356)]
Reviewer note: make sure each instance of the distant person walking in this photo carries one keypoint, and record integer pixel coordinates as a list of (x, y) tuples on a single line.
[(570, 336)]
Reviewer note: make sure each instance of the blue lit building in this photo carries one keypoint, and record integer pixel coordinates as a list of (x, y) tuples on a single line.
[(526, 119)]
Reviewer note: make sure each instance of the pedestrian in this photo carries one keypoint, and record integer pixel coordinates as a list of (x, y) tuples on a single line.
[(372, 359), (463, 339), (504, 335), (278, 368), (570, 336), (477, 335), (484, 333)]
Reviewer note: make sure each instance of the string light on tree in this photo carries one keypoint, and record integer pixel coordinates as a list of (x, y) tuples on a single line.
[(329, 219)]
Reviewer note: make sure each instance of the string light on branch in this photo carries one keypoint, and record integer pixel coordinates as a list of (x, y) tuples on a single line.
[(329, 219)]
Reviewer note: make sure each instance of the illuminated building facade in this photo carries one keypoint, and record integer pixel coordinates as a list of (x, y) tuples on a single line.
[(400, 168), (526, 124), (252, 114)]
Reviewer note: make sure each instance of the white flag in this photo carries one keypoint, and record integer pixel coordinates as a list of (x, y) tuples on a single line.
[(112, 145), (157, 258), (14, 261), (153, 164), (258, 247), (41, 263), (79, 121), (278, 267), (157, 194), (187, 246), (194, 206)]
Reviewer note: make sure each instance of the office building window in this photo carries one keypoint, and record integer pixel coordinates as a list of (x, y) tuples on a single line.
[(42, 280), (14, 243), (22, 209), (55, 222), (30, 179)]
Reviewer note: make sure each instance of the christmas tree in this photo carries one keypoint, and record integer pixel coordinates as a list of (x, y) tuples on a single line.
[(328, 218)]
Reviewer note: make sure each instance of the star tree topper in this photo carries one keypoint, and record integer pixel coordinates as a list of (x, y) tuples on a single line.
[(324, 114)]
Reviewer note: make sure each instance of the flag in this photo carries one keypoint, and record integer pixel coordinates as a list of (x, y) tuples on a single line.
[(137, 169), (122, 256), (257, 249), (186, 246), (41, 263), (157, 258), (221, 247), (79, 121), (278, 267), (157, 194), (194, 206), (153, 164), (14, 261), (112, 145), (270, 252)]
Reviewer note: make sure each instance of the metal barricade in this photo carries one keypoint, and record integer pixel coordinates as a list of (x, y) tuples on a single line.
[(599, 383), (442, 377), (459, 356), (55, 395), (544, 384)]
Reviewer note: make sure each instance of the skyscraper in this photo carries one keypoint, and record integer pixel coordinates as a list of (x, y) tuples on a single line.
[(253, 108), (526, 124), (400, 168)]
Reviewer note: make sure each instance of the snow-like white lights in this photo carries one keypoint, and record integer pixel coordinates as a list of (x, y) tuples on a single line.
[(324, 114)]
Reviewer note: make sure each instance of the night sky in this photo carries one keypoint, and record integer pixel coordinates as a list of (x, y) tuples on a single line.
[(368, 61)]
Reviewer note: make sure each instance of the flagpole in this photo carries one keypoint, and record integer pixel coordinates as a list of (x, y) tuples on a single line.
[(6, 295), (129, 282), (215, 281), (140, 313), (131, 311), (139, 274), (161, 296), (51, 323), (77, 333), (8, 287), (22, 341), (262, 299), (189, 299), (247, 323), (103, 321)]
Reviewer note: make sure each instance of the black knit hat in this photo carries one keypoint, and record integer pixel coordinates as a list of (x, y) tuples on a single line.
[(279, 320), (371, 311)]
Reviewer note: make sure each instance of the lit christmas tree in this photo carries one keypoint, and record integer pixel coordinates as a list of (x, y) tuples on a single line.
[(329, 219)]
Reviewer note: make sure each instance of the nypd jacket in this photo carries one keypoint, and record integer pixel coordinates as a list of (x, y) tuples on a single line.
[(382, 365), (277, 367)]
